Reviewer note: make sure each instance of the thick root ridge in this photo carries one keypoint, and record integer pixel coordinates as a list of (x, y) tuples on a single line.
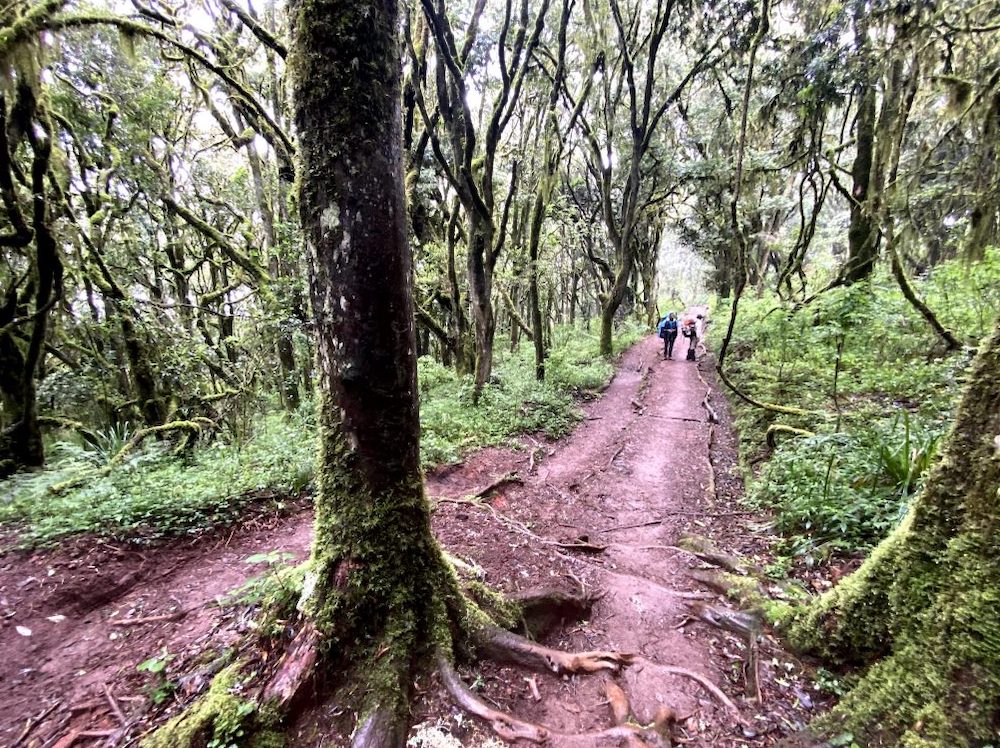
[(296, 669), (511, 728), (505, 646)]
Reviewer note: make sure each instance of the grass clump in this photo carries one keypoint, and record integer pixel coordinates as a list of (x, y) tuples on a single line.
[(514, 402), (156, 493)]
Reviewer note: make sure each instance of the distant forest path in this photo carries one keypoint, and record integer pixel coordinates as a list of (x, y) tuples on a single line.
[(608, 507)]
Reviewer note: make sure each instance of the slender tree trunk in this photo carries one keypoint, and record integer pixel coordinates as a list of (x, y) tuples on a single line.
[(480, 294), (288, 385), (534, 307), (613, 300), (862, 235)]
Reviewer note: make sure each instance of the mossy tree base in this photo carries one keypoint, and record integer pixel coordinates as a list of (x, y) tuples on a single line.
[(923, 607), (380, 670)]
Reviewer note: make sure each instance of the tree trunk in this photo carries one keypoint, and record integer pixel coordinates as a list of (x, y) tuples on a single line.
[(926, 599), (862, 236), (480, 294), (534, 306), (376, 572), (21, 437), (613, 300)]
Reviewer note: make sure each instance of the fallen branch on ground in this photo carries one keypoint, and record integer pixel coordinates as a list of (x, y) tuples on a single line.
[(770, 436), (175, 616), (194, 426)]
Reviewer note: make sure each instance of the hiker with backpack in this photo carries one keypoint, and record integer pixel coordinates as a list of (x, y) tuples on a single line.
[(689, 330), (668, 332)]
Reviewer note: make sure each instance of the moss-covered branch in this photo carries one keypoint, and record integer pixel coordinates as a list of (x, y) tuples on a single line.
[(194, 427)]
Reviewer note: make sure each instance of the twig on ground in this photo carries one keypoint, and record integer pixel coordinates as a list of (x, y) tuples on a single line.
[(176, 615), (119, 714), (614, 457), (34, 722), (533, 686), (668, 512)]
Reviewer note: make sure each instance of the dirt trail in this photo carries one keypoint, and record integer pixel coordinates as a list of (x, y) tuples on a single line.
[(641, 455)]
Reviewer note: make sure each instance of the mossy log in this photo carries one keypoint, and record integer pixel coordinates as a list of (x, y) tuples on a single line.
[(923, 607)]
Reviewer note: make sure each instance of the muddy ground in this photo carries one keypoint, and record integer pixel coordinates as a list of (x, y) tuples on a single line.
[(607, 508)]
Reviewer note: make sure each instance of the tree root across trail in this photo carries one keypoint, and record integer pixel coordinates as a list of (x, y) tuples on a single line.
[(628, 657)]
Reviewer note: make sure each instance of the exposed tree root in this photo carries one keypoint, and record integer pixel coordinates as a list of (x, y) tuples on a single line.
[(742, 624), (511, 728), (498, 484), (704, 682), (505, 646), (296, 668)]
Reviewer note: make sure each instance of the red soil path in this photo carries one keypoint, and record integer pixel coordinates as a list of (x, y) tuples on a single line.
[(643, 469)]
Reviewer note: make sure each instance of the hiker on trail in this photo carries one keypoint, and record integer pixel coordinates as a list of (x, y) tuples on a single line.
[(668, 332), (690, 331)]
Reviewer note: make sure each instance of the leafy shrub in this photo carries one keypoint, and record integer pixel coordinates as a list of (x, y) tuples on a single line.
[(865, 364), (822, 497), (155, 493)]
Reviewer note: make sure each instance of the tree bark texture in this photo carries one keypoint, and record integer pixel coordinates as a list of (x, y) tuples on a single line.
[(862, 234), (375, 570)]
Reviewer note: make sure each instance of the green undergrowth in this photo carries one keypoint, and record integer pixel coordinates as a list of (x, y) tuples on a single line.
[(514, 402), (157, 493), (882, 390)]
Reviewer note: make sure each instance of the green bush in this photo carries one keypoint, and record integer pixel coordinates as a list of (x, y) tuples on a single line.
[(822, 495), (878, 412), (156, 493)]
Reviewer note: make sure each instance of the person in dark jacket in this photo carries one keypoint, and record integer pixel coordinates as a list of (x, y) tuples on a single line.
[(668, 331)]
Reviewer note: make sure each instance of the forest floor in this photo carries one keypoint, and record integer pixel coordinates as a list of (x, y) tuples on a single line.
[(607, 507)]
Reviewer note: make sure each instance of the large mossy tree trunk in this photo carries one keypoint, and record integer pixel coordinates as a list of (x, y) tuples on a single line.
[(26, 304), (377, 581), (923, 607)]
